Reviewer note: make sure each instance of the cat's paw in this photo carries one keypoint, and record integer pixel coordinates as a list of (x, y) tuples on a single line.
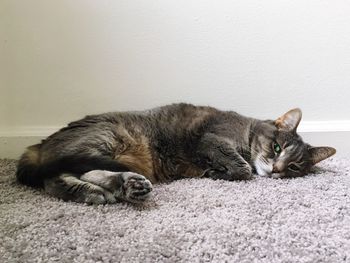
[(136, 188), (246, 173)]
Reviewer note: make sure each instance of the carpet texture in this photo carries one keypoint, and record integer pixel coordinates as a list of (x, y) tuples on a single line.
[(193, 220)]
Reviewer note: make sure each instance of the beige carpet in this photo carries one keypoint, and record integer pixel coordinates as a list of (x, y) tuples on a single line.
[(197, 220)]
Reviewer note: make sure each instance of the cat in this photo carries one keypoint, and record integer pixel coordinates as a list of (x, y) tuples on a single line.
[(118, 156)]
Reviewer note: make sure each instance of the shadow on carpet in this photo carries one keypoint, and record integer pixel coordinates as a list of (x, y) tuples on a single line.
[(192, 220)]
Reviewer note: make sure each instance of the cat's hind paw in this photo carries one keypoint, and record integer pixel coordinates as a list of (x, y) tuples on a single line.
[(136, 188)]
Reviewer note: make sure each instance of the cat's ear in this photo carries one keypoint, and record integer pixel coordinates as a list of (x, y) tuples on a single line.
[(318, 154), (289, 121)]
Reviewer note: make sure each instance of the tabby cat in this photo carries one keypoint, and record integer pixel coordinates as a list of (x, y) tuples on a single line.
[(117, 156)]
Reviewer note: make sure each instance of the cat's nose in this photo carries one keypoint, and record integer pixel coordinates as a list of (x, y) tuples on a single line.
[(275, 169)]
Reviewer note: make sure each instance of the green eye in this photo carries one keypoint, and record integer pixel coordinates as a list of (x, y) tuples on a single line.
[(277, 148)]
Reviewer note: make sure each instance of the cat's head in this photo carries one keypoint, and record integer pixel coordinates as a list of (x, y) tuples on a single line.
[(278, 151)]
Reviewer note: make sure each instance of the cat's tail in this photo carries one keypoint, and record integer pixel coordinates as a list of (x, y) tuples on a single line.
[(28, 166), (33, 173)]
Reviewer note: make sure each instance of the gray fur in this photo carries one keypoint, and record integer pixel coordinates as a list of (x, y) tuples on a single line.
[(167, 143)]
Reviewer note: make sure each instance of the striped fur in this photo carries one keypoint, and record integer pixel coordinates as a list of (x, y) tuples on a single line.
[(163, 144)]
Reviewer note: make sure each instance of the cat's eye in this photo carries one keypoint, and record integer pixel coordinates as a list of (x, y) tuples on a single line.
[(293, 167), (277, 148)]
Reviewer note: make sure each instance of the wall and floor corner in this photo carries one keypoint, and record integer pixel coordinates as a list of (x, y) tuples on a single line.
[(13, 143), (65, 59)]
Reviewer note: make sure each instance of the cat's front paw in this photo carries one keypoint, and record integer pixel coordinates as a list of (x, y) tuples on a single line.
[(136, 188)]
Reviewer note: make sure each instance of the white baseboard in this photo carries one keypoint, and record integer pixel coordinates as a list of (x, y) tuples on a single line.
[(12, 147), (13, 141), (29, 131), (324, 126)]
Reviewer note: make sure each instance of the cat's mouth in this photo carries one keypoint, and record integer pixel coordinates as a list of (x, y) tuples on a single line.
[(276, 175)]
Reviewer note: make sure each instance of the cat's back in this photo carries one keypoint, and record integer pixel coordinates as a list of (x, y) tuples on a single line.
[(181, 116)]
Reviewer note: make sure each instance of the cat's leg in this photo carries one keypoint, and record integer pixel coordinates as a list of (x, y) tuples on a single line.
[(128, 186), (69, 188), (221, 160)]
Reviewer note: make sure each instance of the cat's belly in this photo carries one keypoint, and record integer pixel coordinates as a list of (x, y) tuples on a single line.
[(137, 156), (140, 160), (186, 169), (135, 152), (168, 170)]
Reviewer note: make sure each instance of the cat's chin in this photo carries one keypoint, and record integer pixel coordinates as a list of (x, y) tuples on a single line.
[(275, 175), (262, 167)]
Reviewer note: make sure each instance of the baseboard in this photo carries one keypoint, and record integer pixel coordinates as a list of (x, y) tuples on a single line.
[(331, 133), (12, 147), (324, 126), (29, 131)]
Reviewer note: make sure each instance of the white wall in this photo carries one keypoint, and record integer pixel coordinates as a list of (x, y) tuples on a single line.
[(61, 60)]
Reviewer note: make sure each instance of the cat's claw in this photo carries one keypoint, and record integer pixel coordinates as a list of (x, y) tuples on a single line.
[(136, 188)]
